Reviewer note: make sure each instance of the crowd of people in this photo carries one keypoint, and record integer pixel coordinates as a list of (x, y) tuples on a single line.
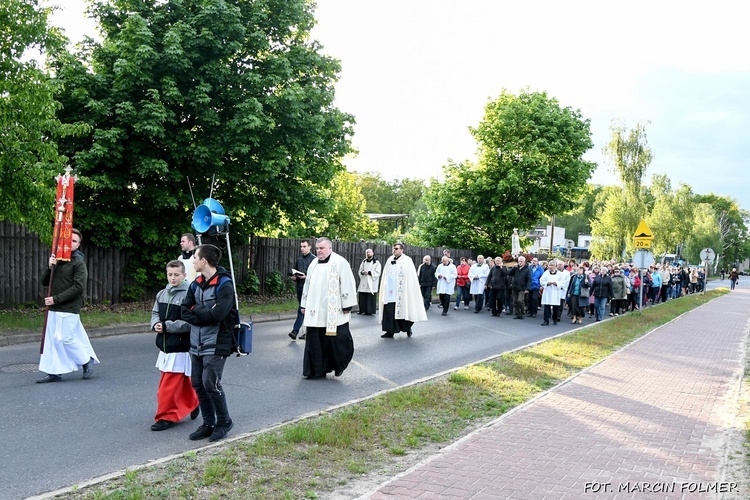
[(582, 289)]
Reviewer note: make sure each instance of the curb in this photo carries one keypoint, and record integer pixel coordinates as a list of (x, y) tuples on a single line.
[(10, 339)]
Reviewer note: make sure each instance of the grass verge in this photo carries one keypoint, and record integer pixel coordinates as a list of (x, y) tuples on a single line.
[(383, 435), (25, 319)]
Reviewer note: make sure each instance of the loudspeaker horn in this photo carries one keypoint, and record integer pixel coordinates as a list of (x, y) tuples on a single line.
[(208, 215)]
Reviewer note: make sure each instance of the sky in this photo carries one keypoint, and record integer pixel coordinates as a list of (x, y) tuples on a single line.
[(417, 74)]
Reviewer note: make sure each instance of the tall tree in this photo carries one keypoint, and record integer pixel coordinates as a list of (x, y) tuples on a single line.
[(671, 216), (730, 228), (630, 155), (347, 220), (197, 88), (399, 196), (28, 155), (530, 164)]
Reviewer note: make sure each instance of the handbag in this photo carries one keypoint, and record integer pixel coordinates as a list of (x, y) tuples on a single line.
[(585, 292)]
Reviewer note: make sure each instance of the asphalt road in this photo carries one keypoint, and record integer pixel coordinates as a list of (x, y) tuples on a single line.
[(60, 434)]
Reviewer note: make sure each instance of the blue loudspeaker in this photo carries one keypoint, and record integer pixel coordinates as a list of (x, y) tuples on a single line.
[(245, 337), (209, 215)]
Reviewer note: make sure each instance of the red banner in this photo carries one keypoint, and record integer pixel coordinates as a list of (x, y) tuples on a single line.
[(63, 232)]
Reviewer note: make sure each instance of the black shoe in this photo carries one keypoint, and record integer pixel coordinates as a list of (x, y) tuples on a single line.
[(337, 374), (202, 432), (386, 336), (220, 431), (408, 332), (194, 414), (546, 323), (87, 371), (162, 425), (302, 337), (293, 335), (554, 322), (477, 312), (49, 378), (445, 313)]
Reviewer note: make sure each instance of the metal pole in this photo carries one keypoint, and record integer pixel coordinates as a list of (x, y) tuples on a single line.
[(231, 270), (640, 293)]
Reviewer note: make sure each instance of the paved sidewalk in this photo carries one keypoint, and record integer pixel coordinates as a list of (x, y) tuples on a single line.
[(647, 422)]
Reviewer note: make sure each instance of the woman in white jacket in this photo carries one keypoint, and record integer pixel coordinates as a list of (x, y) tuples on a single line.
[(553, 291), (446, 275)]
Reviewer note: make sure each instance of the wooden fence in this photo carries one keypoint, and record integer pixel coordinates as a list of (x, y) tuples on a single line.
[(23, 257)]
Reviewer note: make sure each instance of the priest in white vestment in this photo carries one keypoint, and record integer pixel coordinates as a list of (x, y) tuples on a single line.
[(478, 278), (446, 275), (554, 287), (329, 294), (369, 278), (401, 303)]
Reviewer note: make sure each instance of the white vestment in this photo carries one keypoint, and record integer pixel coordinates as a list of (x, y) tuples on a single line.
[(189, 267), (329, 289), (174, 362), (368, 283), (399, 285), (446, 278), (478, 277), (564, 281), (66, 345), (553, 293)]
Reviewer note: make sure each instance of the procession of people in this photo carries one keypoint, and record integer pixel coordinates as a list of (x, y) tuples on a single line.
[(194, 318)]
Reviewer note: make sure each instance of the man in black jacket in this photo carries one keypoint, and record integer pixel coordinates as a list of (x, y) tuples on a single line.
[(426, 276), (210, 308), (299, 275), (497, 286), (521, 284)]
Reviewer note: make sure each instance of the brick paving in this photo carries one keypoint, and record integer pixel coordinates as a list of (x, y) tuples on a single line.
[(647, 422)]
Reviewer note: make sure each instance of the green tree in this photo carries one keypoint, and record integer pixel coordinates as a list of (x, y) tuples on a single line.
[(704, 233), (400, 196), (201, 88), (28, 155), (347, 220), (729, 227), (608, 241), (671, 216), (578, 220), (630, 155), (529, 165)]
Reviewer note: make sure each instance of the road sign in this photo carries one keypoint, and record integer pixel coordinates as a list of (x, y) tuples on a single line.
[(643, 259), (643, 236), (643, 231), (708, 255), (641, 243)]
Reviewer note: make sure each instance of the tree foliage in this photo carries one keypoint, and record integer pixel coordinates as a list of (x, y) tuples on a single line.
[(614, 227), (398, 196), (28, 155), (201, 88), (672, 215), (529, 165), (346, 220)]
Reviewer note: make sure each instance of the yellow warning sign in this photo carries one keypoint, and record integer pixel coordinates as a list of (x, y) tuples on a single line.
[(643, 231), (642, 243)]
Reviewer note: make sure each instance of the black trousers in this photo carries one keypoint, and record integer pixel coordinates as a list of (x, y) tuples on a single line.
[(205, 376)]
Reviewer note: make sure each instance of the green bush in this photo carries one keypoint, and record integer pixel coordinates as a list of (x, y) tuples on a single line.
[(132, 293), (250, 285), (275, 284)]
